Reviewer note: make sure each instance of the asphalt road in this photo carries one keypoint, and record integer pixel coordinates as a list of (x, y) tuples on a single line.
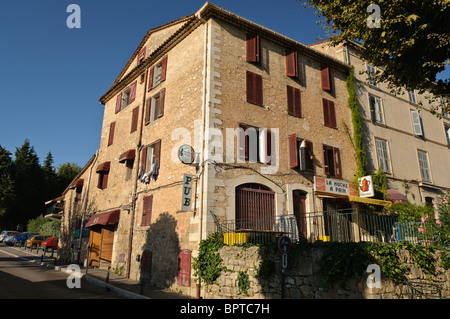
[(21, 279)]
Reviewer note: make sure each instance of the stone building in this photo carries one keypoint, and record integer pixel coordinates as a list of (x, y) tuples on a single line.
[(402, 136), (263, 117)]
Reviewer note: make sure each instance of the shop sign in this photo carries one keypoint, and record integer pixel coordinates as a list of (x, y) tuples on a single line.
[(188, 181), (366, 186), (334, 186)]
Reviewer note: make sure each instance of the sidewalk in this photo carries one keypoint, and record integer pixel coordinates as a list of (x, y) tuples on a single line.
[(100, 278)]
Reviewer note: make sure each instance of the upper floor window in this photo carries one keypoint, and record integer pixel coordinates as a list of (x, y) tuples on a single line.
[(416, 123), (154, 108), (412, 97), (103, 173), (329, 113), (383, 155), (294, 101), (332, 161), (376, 109), (447, 133), (254, 88), (292, 64), (141, 56), (301, 153), (157, 73), (253, 48), (371, 75), (325, 77), (126, 97), (423, 165), (151, 159), (255, 144)]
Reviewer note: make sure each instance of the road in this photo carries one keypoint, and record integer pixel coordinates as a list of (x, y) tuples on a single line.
[(20, 279)]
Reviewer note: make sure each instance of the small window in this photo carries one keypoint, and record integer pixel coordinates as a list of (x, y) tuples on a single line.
[(371, 75), (152, 156), (325, 77), (253, 48), (126, 97), (376, 109), (412, 97), (383, 155), (103, 173), (155, 107), (332, 161), (157, 74), (292, 64), (255, 144), (141, 56), (329, 113), (423, 165), (416, 123), (112, 128), (301, 153)]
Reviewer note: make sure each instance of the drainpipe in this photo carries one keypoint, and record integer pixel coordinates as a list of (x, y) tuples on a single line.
[(136, 175)]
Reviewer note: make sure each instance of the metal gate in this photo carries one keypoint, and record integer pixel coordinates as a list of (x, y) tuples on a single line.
[(255, 209)]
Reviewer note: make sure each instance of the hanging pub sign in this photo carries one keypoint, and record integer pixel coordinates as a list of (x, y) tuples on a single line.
[(334, 186), (186, 154), (366, 186), (188, 181)]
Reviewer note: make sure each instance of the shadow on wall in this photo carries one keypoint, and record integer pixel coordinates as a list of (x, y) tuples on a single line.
[(163, 243)]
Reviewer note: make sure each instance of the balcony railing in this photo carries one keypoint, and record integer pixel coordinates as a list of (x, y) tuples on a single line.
[(346, 225)]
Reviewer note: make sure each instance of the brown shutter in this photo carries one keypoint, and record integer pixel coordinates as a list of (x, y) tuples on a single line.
[(258, 89), (112, 127), (144, 158), (337, 162), (132, 92), (325, 77), (150, 78), (162, 96), (118, 102), (290, 99), (291, 64), (332, 114), (158, 152), (250, 87), (184, 268), (163, 69), (310, 153), (134, 119), (293, 150), (252, 48), (326, 112), (326, 165), (297, 103), (269, 145), (148, 107), (147, 210)]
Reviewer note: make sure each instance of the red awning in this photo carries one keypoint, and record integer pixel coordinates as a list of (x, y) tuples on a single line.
[(77, 183), (103, 167), (396, 196), (128, 155), (104, 219)]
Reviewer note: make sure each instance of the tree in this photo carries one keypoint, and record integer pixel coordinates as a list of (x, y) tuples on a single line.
[(411, 44), (7, 192), (52, 188), (66, 173)]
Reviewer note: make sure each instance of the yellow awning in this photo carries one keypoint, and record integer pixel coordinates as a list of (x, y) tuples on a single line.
[(369, 201)]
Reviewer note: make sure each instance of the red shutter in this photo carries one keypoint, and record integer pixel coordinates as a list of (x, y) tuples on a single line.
[(337, 162), (150, 78), (326, 112), (103, 180), (297, 103), (148, 107), (293, 150), (163, 69), (291, 64), (112, 127), (309, 155), (147, 211), (158, 152), (118, 102), (325, 77), (290, 99), (258, 89), (332, 114), (144, 158), (269, 140), (326, 165), (250, 87), (252, 48), (134, 119), (162, 96), (132, 92)]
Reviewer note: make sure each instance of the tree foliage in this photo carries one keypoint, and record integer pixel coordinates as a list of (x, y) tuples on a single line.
[(411, 44)]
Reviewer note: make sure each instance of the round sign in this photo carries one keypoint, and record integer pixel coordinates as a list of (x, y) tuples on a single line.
[(284, 244), (186, 154)]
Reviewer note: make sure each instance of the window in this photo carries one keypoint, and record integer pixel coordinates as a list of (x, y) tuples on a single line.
[(416, 123), (103, 173), (443, 107), (294, 101), (371, 75), (112, 128), (255, 144), (383, 155), (157, 74), (301, 153), (423, 165), (253, 48), (151, 155), (412, 97), (141, 56), (325, 77), (292, 64), (134, 119), (329, 113), (254, 88), (376, 109), (126, 97), (155, 107), (447, 133), (147, 211), (332, 161), (128, 159)]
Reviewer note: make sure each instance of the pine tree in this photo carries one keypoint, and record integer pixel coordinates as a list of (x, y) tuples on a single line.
[(7, 192)]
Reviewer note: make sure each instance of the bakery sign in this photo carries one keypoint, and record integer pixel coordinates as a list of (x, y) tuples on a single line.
[(334, 186)]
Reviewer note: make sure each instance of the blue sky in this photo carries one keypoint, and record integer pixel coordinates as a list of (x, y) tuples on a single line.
[(51, 77)]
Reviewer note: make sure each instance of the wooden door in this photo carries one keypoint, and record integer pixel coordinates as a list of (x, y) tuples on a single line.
[(184, 268), (146, 266), (300, 215), (106, 247), (95, 240)]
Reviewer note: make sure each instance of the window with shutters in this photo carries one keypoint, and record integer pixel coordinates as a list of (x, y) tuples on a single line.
[(325, 77), (294, 101), (423, 166), (147, 211), (112, 128), (134, 119), (332, 161), (383, 155), (376, 109), (371, 75), (141, 56), (253, 47), (329, 113), (447, 133), (151, 155), (103, 174), (126, 97), (412, 97), (254, 88), (301, 153), (292, 64), (154, 107), (416, 123), (256, 144), (157, 74)]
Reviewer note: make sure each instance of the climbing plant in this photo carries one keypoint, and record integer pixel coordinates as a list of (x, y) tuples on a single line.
[(208, 265)]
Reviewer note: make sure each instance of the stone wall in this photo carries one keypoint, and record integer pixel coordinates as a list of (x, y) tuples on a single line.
[(302, 279)]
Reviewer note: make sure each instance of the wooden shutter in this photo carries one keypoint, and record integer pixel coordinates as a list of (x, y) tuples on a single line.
[(337, 162), (163, 69), (259, 89), (150, 78), (112, 128), (329, 113), (147, 210), (158, 152), (148, 109), (294, 101), (326, 165), (291, 64), (326, 112), (134, 119), (293, 150), (162, 96), (325, 77), (269, 139), (309, 154), (253, 48), (417, 125), (254, 88), (132, 92), (290, 99), (103, 179), (250, 87), (118, 102), (144, 158)]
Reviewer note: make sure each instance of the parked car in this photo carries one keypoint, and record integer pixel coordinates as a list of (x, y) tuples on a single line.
[(7, 233), (9, 240), (51, 243), (21, 239), (36, 241)]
